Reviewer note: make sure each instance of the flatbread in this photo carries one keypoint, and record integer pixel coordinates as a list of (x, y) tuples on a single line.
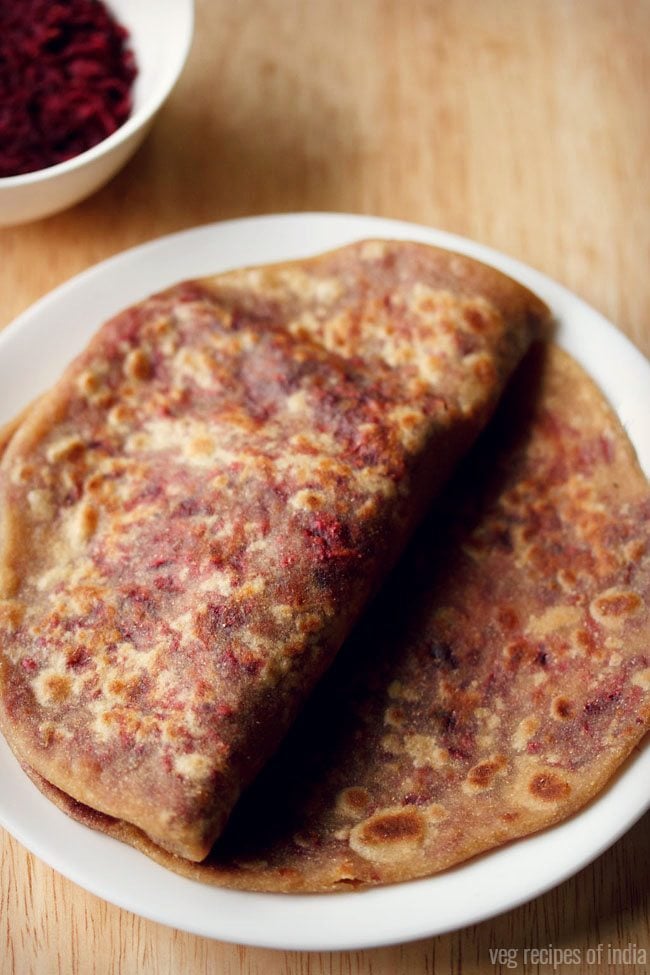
[(8, 429), (496, 686), (194, 517)]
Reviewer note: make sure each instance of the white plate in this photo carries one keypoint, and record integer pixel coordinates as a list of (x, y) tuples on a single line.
[(33, 351)]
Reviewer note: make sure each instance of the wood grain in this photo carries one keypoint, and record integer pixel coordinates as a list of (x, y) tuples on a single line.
[(525, 125)]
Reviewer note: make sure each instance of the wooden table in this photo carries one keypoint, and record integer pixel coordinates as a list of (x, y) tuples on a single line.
[(524, 124)]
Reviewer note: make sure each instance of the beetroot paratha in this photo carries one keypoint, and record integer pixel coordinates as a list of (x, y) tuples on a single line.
[(494, 689), (194, 517)]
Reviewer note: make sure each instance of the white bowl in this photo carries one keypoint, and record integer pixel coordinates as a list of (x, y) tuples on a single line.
[(160, 35)]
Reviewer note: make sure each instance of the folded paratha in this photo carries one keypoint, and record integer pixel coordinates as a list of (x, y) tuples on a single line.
[(495, 687), (192, 520)]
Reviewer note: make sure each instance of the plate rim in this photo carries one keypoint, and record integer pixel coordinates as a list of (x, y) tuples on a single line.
[(325, 935)]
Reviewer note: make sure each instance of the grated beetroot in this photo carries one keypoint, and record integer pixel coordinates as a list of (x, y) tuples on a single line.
[(66, 75)]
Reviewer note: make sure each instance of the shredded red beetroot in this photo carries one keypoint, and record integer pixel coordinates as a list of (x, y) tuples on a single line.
[(66, 74)]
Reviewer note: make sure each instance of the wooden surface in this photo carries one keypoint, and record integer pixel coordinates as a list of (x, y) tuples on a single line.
[(524, 124)]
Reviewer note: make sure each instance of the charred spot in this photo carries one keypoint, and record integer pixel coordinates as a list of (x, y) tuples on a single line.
[(618, 604), (394, 715), (475, 319), (587, 641), (394, 827), (516, 653), (483, 773), (563, 708), (58, 687), (549, 787), (542, 658), (356, 798), (120, 686)]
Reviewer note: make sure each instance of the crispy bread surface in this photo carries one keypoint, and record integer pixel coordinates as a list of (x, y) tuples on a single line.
[(497, 686), (195, 515)]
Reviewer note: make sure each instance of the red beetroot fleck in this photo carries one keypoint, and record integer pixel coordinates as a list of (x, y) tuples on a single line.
[(65, 80), (330, 539), (158, 563), (601, 703), (78, 658), (30, 665), (167, 584)]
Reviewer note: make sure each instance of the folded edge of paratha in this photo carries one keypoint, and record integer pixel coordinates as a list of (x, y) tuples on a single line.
[(194, 517)]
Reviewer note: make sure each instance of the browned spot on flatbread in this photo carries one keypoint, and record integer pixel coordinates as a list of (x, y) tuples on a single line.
[(614, 606), (482, 775), (549, 787), (562, 709), (389, 834), (475, 319), (406, 825), (516, 653), (12, 612), (56, 687), (137, 365), (586, 642), (484, 370), (353, 802), (394, 716), (88, 520)]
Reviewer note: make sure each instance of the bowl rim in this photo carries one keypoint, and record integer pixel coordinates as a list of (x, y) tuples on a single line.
[(134, 122)]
